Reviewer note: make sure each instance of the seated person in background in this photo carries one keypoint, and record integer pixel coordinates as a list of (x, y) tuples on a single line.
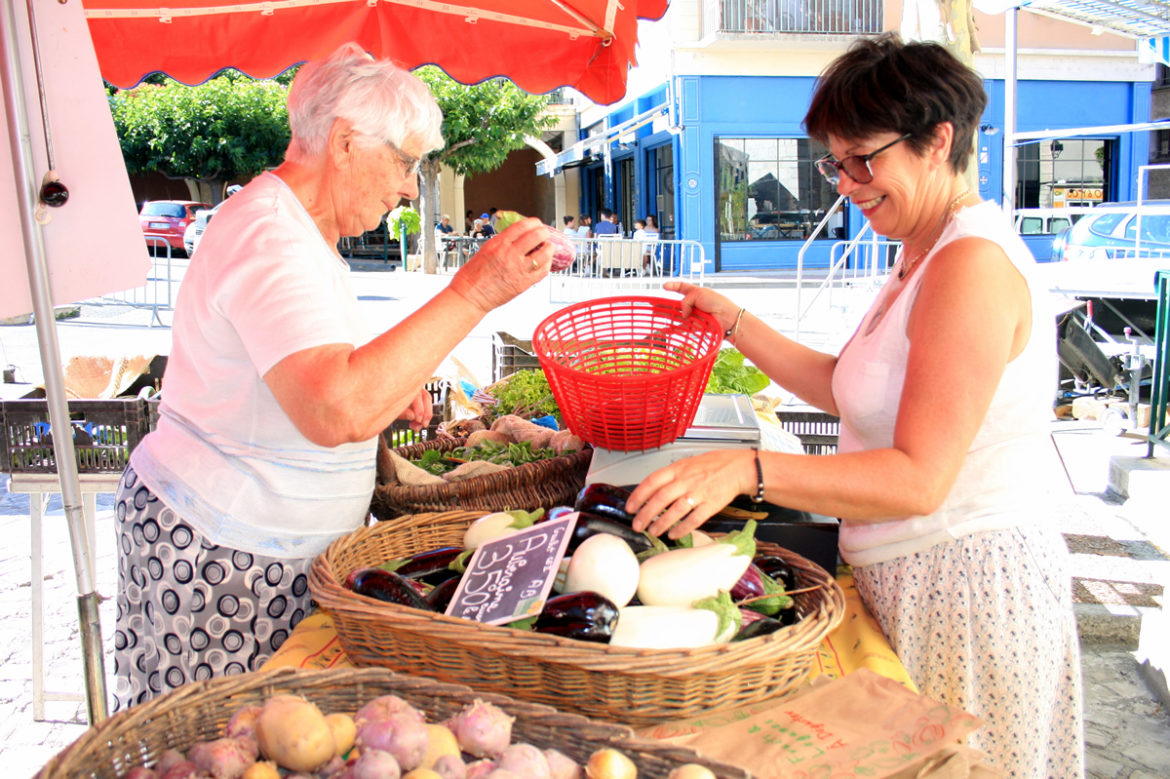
[(585, 226), (444, 225), (570, 227), (607, 226), (652, 225), (485, 227)]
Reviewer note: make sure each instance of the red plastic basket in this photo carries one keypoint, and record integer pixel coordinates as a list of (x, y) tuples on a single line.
[(627, 372)]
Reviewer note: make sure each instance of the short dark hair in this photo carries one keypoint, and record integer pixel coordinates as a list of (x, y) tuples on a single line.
[(568, 218), (882, 84)]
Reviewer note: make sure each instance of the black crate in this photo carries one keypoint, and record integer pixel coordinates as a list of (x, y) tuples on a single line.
[(511, 354), (104, 434), (816, 430)]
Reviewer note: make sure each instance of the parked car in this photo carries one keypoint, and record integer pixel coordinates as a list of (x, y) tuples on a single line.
[(1110, 231), (195, 229), (168, 219), (1039, 227)]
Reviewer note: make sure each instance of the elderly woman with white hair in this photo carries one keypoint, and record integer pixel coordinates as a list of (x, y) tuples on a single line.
[(275, 394)]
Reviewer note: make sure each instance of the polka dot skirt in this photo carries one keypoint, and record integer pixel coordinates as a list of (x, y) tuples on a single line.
[(188, 610), (985, 623)]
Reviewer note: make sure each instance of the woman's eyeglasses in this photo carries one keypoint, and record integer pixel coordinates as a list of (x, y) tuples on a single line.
[(410, 164), (855, 167)]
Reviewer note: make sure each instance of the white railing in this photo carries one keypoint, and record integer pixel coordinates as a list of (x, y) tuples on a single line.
[(611, 266), (826, 17), (603, 266)]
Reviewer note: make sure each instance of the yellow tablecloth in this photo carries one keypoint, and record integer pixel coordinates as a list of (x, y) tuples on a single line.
[(856, 643)]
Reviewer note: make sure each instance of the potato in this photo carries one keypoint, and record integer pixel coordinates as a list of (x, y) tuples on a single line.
[(609, 763), (263, 770), (691, 771), (294, 734), (344, 730), (421, 773), (440, 741)]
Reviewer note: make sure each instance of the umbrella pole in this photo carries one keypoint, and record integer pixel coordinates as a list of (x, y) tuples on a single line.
[(63, 449)]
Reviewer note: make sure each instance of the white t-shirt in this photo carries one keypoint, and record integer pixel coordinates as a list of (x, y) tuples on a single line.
[(1011, 474), (224, 455)]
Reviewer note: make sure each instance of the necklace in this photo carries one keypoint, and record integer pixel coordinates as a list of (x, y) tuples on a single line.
[(904, 268)]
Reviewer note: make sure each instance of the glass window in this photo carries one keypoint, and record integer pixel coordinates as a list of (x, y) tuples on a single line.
[(768, 189), (1063, 172)]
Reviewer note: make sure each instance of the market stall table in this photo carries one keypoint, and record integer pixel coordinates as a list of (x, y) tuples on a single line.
[(856, 643)]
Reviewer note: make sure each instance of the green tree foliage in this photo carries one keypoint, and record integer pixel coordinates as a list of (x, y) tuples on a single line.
[(229, 127), (482, 124)]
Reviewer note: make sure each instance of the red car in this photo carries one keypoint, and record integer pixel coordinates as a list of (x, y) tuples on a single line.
[(167, 220)]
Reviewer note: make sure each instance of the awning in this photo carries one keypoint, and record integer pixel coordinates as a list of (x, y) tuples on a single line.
[(579, 152)]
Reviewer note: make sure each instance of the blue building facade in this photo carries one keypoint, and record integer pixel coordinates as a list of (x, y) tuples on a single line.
[(730, 166)]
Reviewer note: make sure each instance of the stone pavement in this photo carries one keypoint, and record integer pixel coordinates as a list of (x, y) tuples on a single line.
[(1120, 548)]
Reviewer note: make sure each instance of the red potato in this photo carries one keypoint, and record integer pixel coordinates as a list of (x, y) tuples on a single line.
[(482, 729), (403, 734), (561, 766), (525, 761), (383, 706), (224, 758), (243, 721), (184, 769), (168, 759), (140, 772), (480, 768), (374, 764)]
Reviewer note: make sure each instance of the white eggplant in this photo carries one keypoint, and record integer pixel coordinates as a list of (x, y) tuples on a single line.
[(604, 564), (497, 525), (664, 627), (682, 576)]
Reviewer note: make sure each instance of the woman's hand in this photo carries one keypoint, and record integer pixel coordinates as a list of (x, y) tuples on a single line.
[(684, 494), (420, 410), (506, 265), (705, 299)]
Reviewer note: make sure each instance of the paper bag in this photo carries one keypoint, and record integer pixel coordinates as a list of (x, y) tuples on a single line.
[(861, 725)]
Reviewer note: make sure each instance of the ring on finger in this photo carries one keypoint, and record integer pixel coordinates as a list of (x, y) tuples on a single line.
[(690, 501), (535, 264)]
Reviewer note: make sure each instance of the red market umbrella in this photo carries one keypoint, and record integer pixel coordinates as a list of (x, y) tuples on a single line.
[(538, 44)]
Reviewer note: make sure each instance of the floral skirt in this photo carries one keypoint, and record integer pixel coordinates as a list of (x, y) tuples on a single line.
[(189, 610), (985, 623)]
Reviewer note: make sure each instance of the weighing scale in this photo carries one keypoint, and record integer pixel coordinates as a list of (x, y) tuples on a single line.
[(721, 422)]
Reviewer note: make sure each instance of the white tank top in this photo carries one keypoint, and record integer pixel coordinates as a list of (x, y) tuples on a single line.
[(1011, 474)]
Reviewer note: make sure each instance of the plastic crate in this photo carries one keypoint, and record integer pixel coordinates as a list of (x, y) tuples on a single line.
[(816, 430), (104, 434), (511, 354)]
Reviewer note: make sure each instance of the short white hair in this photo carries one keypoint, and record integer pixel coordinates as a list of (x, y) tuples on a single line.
[(380, 99)]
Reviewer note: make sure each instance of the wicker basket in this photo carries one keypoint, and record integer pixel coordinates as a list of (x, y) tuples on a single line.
[(199, 711), (635, 687), (543, 483)]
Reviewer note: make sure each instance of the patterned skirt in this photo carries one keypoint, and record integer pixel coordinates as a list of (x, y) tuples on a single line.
[(985, 623), (188, 609)]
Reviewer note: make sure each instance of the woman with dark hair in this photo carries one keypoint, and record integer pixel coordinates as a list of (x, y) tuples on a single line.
[(946, 479)]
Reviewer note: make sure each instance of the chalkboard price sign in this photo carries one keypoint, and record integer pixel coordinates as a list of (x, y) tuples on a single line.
[(509, 578)]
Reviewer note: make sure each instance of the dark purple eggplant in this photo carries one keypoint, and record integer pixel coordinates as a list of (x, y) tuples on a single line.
[(430, 566), (778, 568), (756, 584), (386, 586), (585, 616), (440, 595), (756, 624), (592, 524), (607, 500)]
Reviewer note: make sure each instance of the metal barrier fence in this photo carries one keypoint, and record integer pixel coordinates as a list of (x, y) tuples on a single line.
[(1160, 381), (603, 266), (162, 282), (831, 17)]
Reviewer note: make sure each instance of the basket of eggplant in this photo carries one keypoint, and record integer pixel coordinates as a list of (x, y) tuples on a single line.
[(635, 631)]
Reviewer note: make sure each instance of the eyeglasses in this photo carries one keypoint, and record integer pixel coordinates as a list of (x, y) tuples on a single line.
[(855, 167), (410, 164)]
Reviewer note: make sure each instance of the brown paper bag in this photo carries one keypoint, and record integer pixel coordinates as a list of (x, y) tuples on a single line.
[(861, 725)]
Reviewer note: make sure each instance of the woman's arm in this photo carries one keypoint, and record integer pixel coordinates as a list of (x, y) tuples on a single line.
[(336, 393), (972, 315), (803, 371)]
